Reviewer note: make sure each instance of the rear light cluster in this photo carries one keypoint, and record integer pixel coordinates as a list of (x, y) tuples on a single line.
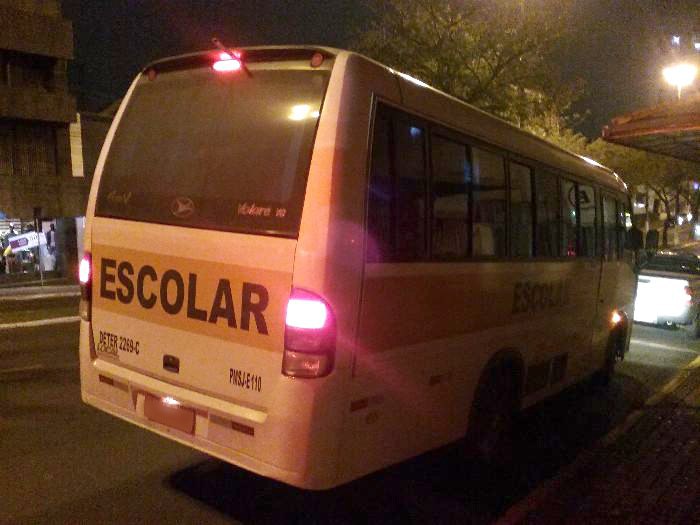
[(309, 337), (85, 278), (689, 295)]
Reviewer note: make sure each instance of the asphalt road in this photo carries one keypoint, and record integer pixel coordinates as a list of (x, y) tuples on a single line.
[(64, 462)]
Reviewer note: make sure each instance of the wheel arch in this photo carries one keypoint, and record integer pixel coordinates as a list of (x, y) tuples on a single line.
[(509, 358)]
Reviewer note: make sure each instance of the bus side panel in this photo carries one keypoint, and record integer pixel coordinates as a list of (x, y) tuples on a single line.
[(617, 287), (330, 250), (329, 256), (427, 331)]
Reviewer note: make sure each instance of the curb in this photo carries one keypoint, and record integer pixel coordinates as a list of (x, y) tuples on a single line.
[(40, 322), (38, 290), (518, 512), (37, 297)]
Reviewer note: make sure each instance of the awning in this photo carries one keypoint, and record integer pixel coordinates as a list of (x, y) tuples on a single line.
[(671, 129)]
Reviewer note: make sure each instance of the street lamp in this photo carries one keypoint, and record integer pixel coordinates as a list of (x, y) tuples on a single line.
[(680, 76)]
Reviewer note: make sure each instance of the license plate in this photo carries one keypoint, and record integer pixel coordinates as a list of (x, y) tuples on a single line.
[(173, 416)]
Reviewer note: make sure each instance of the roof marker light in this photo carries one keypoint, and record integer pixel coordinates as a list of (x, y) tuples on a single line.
[(317, 60), (228, 63)]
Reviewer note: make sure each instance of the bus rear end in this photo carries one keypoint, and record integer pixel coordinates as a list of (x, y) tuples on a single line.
[(192, 326)]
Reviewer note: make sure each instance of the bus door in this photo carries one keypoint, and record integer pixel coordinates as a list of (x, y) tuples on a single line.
[(611, 266), (579, 214)]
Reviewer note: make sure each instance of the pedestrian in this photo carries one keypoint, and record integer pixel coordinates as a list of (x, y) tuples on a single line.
[(9, 258), (51, 239)]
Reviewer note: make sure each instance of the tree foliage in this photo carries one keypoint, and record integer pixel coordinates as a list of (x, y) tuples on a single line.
[(494, 55), (498, 56)]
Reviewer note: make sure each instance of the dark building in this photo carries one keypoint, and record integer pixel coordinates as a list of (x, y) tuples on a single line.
[(38, 189)]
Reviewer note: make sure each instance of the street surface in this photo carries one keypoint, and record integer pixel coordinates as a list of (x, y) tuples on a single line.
[(64, 462)]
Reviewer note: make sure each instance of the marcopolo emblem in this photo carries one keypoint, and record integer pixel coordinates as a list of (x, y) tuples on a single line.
[(182, 207)]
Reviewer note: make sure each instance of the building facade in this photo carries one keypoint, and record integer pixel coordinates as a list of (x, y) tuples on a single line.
[(38, 189)]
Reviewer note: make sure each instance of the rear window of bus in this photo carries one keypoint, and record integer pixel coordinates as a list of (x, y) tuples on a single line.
[(203, 149)]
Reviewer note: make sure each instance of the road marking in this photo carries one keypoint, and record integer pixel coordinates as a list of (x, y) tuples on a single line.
[(660, 346), (40, 322), (21, 369)]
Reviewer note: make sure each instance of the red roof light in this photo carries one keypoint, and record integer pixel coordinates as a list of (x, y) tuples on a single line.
[(228, 62)]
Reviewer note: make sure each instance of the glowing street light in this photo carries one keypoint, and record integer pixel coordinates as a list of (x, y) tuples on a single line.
[(680, 76)]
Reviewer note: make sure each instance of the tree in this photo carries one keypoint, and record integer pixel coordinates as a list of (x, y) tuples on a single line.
[(494, 55), (669, 179)]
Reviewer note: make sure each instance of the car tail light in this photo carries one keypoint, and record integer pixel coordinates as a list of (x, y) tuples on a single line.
[(309, 337), (85, 278), (689, 294)]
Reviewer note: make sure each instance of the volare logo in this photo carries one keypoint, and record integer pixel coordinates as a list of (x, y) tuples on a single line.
[(182, 207)]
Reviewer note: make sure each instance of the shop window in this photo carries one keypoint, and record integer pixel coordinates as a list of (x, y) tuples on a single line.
[(25, 70), (489, 204), (450, 199)]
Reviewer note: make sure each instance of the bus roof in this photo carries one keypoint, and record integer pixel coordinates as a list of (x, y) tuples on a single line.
[(430, 102)]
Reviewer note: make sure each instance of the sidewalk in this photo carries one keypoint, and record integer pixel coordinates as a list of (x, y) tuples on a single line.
[(646, 471)]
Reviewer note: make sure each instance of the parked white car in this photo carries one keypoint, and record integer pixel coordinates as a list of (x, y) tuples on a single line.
[(668, 290)]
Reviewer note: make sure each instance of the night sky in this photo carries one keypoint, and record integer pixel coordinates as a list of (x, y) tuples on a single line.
[(115, 38)]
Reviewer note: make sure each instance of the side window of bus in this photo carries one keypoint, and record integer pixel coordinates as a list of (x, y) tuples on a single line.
[(610, 228), (521, 232), (547, 214), (450, 199), (381, 191), (409, 159), (589, 220), (569, 217), (489, 198), (624, 223)]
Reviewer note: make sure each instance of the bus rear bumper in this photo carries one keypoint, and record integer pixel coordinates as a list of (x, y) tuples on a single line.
[(211, 448), (265, 443)]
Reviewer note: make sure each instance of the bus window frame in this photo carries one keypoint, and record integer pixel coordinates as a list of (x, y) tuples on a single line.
[(391, 110)]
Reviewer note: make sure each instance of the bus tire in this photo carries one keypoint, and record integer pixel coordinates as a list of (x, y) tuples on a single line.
[(489, 438), (617, 346)]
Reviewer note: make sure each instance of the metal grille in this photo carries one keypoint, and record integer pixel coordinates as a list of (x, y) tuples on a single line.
[(34, 151)]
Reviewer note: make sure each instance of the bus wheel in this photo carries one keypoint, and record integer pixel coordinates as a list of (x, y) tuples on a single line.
[(616, 350), (489, 436)]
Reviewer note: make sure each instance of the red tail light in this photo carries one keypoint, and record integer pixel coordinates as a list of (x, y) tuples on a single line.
[(309, 337), (689, 294), (228, 63), (85, 278)]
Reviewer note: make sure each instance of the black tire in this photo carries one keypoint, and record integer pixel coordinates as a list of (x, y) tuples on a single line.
[(603, 377), (489, 438), (617, 346)]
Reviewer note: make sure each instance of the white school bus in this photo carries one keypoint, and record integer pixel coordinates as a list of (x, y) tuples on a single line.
[(311, 266)]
